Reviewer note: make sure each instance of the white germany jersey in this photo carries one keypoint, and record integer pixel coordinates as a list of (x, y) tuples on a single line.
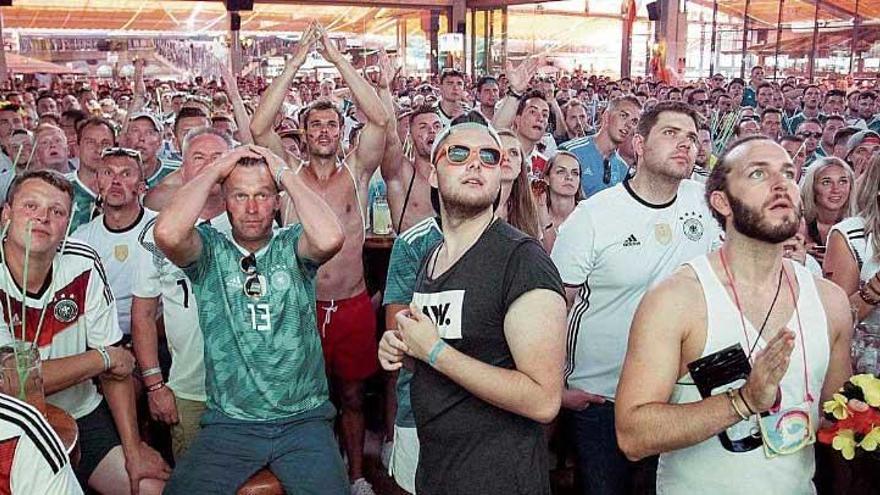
[(155, 276), (80, 314), (115, 247), (32, 457), (614, 246)]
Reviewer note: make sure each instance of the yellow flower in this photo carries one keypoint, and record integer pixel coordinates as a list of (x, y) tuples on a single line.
[(836, 406), (845, 442), (871, 440), (870, 386)]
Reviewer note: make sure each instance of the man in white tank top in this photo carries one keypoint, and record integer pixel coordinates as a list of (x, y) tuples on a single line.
[(794, 328)]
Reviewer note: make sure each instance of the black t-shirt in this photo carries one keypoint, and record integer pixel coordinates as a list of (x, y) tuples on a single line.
[(469, 446)]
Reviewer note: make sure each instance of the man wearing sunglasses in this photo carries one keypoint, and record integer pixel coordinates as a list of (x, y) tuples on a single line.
[(609, 251), (811, 132), (486, 330), (601, 164), (266, 384)]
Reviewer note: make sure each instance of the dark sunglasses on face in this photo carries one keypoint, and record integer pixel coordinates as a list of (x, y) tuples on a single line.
[(459, 154), (807, 135), (699, 103), (254, 285)]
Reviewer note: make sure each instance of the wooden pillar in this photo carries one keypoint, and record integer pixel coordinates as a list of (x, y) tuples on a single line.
[(812, 59)]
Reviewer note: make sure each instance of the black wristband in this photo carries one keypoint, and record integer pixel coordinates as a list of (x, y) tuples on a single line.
[(511, 92)]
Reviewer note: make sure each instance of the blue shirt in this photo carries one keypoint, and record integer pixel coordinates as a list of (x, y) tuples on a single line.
[(592, 164)]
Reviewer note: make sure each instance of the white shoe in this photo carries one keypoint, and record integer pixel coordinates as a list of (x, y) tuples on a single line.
[(362, 487), (385, 454)]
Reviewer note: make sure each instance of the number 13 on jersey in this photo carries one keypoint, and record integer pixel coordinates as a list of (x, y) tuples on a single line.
[(260, 318)]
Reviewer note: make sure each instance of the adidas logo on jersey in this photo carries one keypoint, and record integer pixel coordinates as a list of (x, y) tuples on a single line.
[(631, 241)]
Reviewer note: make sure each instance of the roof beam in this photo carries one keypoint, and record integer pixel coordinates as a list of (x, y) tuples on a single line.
[(836, 9)]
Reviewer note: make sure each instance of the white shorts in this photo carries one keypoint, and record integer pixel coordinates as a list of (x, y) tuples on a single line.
[(404, 458)]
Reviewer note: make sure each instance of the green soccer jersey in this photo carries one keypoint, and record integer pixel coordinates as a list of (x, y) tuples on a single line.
[(263, 357), (165, 168), (84, 203), (410, 248)]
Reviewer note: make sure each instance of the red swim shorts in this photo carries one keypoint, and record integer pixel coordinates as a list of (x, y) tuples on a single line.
[(348, 335)]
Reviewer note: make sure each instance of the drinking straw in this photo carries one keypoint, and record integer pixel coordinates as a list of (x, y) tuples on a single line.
[(27, 254)]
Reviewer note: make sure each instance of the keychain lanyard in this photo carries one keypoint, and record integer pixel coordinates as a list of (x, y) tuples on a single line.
[(808, 396)]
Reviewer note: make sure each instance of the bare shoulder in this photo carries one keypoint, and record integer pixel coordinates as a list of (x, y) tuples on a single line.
[(681, 287), (835, 302)]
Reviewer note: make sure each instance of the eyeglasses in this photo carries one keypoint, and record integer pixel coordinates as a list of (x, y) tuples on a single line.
[(254, 285), (700, 103), (806, 135), (459, 154), (606, 174)]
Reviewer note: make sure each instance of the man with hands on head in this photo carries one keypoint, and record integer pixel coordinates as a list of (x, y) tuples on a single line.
[(792, 327), (266, 386), (344, 310)]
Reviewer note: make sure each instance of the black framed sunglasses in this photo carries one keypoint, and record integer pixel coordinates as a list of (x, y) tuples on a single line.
[(606, 174), (807, 135), (254, 285), (459, 154)]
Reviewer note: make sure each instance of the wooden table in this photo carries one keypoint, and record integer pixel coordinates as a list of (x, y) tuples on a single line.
[(65, 426), (376, 241)]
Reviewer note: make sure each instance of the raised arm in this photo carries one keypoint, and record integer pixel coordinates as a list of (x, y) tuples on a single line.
[(371, 143), (139, 90), (322, 234), (518, 80), (534, 388), (242, 120), (175, 233), (262, 124), (646, 423), (392, 164)]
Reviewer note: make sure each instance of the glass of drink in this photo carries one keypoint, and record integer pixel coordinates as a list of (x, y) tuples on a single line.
[(381, 216), (21, 374)]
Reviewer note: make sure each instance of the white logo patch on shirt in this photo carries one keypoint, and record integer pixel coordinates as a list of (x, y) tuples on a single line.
[(444, 309)]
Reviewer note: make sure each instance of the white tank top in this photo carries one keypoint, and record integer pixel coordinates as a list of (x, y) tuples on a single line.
[(709, 468)]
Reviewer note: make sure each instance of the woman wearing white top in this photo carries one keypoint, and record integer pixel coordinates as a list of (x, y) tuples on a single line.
[(827, 194), (853, 256)]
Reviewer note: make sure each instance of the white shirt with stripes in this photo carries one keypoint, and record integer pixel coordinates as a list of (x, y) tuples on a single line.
[(615, 246), (32, 457)]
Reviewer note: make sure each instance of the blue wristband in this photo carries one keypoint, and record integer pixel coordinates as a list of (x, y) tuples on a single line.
[(435, 352)]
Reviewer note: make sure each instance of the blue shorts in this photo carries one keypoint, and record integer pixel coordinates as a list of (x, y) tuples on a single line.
[(300, 451)]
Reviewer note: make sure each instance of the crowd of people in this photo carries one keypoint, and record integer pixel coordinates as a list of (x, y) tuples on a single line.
[(650, 275)]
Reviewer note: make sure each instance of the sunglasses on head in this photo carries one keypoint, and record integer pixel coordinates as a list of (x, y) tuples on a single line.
[(254, 285), (120, 151), (459, 154)]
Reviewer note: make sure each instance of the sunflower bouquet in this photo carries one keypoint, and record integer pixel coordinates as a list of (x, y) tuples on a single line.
[(854, 416)]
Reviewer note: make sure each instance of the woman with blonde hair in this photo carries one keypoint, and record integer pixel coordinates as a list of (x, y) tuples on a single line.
[(516, 204), (828, 196), (853, 257)]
